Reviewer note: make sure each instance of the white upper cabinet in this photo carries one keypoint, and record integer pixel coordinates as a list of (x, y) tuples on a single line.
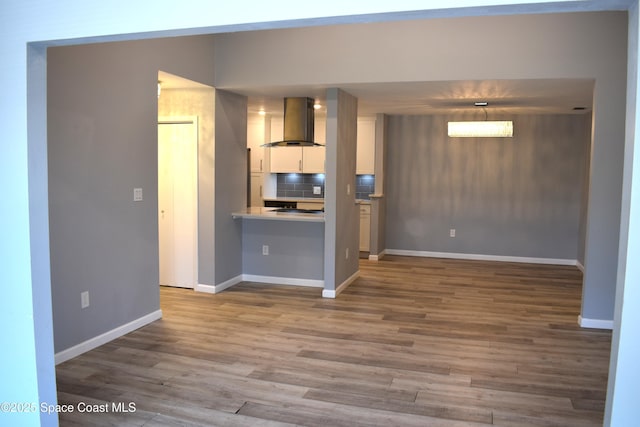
[(297, 159), (313, 159), (366, 147), (255, 139), (286, 159), (283, 159)]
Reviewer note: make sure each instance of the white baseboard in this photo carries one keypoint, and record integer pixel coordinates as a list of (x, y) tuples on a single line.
[(214, 289), (580, 266), (207, 289), (101, 339), (377, 257), (291, 281), (479, 257), (327, 293), (595, 323)]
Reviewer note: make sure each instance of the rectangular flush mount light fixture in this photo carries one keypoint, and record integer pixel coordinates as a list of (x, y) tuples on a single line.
[(485, 129)]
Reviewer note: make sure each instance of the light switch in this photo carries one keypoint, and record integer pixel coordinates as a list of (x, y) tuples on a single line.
[(137, 194), (84, 299)]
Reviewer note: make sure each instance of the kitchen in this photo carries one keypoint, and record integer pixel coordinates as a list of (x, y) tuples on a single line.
[(287, 170)]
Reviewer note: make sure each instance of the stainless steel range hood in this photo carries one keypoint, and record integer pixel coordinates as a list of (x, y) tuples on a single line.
[(298, 124)]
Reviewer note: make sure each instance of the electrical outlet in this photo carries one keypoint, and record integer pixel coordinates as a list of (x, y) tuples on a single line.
[(84, 299), (452, 232), (346, 254), (137, 194), (317, 189), (348, 189), (265, 249)]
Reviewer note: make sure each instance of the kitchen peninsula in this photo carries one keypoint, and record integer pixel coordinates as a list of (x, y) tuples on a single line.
[(282, 247), (270, 213)]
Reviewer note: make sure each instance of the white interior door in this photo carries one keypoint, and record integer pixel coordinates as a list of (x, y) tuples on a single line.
[(178, 201)]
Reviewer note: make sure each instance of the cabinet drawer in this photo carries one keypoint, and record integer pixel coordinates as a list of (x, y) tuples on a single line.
[(311, 205)]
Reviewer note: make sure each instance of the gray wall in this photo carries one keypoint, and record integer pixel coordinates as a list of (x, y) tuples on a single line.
[(378, 241), (584, 206), (222, 187), (199, 102), (517, 196), (102, 142), (230, 183), (342, 215), (296, 248)]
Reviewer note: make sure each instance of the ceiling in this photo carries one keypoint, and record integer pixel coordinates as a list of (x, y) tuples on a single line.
[(533, 96)]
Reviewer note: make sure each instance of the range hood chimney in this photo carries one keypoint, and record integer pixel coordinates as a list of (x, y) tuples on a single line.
[(298, 124)]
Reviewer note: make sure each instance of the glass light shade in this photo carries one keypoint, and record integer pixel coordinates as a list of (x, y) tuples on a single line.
[(485, 129)]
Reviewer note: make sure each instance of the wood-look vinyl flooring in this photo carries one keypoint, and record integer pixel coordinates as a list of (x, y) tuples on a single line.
[(412, 342)]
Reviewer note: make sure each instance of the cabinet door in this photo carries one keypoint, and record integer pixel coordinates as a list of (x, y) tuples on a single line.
[(256, 190), (366, 144), (365, 228), (311, 205), (255, 139), (313, 159), (283, 159), (286, 159)]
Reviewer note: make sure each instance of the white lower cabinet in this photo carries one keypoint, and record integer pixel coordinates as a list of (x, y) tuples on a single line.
[(365, 227)]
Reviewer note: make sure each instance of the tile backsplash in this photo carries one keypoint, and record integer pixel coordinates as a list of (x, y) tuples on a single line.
[(365, 185), (301, 185)]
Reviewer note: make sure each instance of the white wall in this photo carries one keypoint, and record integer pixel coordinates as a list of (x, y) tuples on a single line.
[(624, 376)]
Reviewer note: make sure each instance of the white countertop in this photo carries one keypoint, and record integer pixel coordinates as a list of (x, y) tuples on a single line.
[(269, 214)]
